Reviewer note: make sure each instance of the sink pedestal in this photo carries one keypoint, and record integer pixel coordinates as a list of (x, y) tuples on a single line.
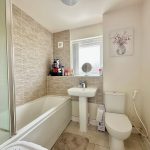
[(83, 113), (83, 94)]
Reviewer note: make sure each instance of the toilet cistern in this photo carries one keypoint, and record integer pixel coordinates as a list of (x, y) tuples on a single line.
[(83, 94), (117, 123)]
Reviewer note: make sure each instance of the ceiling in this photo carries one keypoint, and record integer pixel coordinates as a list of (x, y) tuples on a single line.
[(56, 16)]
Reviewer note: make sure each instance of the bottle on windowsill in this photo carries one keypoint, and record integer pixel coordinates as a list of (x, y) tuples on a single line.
[(101, 71), (66, 72), (62, 70)]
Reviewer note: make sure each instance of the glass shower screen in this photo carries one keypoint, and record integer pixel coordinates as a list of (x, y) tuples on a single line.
[(5, 74)]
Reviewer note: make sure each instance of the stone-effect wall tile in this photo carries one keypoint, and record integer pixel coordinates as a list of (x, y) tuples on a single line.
[(32, 55), (58, 85), (63, 53)]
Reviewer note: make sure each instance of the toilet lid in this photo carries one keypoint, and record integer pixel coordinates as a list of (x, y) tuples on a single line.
[(118, 122)]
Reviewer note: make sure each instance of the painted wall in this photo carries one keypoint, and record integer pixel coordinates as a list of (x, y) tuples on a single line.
[(145, 87), (32, 55), (123, 73), (86, 32)]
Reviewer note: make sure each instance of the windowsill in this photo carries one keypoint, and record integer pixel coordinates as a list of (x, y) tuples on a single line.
[(80, 76), (88, 75)]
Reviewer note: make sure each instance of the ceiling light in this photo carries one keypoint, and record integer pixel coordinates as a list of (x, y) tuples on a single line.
[(70, 2)]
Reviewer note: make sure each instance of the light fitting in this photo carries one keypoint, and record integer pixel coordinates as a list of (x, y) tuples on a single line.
[(70, 2)]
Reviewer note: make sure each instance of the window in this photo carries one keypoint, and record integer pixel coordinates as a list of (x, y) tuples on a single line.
[(87, 51)]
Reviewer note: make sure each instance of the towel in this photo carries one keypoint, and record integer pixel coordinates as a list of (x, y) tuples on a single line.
[(24, 145)]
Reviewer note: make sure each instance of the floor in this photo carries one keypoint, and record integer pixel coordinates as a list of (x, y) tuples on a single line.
[(4, 135), (99, 140)]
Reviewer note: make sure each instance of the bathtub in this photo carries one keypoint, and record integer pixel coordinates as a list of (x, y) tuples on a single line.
[(43, 120)]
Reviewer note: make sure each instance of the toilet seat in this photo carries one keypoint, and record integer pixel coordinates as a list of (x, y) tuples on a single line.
[(118, 125)]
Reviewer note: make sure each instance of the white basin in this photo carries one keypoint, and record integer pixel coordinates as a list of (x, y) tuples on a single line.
[(83, 94)]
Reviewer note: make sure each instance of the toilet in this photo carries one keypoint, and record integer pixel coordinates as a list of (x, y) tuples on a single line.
[(117, 123)]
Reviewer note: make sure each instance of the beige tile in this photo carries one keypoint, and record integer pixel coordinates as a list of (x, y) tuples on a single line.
[(133, 143), (97, 147), (73, 128), (55, 82), (98, 138), (90, 127), (32, 53), (74, 125), (94, 136), (64, 54), (90, 146), (101, 140)]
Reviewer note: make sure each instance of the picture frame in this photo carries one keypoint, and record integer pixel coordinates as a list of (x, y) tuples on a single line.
[(121, 42)]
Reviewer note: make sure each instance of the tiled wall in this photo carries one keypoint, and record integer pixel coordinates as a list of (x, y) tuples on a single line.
[(58, 85), (63, 53), (32, 54)]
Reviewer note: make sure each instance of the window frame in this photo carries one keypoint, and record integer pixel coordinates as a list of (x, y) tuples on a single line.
[(71, 53)]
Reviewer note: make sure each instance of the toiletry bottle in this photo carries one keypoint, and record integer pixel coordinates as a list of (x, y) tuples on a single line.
[(100, 71), (54, 63), (66, 72), (62, 70), (57, 63)]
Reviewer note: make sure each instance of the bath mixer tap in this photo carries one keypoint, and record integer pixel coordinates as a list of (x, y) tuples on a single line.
[(83, 84)]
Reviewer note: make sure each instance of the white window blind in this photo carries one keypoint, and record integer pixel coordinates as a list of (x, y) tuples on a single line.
[(87, 51)]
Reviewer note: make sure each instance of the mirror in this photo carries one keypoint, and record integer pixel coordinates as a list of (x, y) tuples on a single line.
[(86, 67)]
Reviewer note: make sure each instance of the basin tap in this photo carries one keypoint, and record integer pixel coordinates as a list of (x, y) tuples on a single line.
[(83, 84)]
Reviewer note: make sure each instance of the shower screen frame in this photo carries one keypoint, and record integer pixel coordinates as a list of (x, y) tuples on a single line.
[(10, 61)]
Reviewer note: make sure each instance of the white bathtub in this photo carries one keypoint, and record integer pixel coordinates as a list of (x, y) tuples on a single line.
[(43, 120)]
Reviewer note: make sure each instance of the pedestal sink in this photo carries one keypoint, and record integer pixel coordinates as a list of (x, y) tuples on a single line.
[(83, 94)]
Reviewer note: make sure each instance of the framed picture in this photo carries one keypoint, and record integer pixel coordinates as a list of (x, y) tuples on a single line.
[(121, 42)]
